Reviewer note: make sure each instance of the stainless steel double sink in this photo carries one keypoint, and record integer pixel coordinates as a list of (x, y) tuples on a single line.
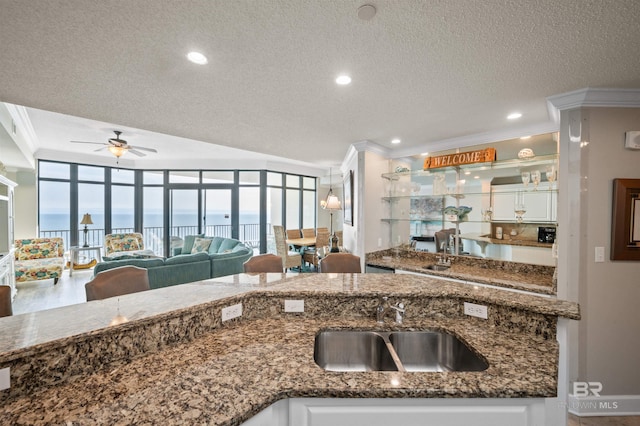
[(413, 351)]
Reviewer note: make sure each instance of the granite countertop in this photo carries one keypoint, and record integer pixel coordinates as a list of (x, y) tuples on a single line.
[(224, 373), (507, 240), (513, 275), (228, 376)]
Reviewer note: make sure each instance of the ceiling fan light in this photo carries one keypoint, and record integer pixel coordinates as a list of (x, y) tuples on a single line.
[(118, 151)]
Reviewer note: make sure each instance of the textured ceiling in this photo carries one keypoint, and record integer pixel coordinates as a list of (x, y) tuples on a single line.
[(423, 70)]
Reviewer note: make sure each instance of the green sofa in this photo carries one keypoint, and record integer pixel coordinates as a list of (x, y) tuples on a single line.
[(166, 272), (224, 256)]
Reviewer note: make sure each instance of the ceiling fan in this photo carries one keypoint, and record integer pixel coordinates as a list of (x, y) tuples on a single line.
[(119, 147)]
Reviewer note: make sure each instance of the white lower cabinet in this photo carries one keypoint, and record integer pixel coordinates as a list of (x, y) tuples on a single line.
[(406, 412), (276, 414)]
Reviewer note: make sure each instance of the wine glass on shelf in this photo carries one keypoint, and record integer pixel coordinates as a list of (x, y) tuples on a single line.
[(551, 175), (526, 176), (519, 208), (535, 178), (486, 214)]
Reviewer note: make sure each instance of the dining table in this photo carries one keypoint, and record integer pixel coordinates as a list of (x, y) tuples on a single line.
[(301, 243)]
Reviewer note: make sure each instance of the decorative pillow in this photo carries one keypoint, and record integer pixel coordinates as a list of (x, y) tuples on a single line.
[(228, 244), (125, 244), (188, 243), (201, 245), (215, 244)]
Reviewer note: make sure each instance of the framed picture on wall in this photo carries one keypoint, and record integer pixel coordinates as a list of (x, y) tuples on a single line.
[(625, 226), (347, 192)]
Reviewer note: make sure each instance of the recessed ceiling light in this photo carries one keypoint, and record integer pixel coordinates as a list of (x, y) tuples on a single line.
[(366, 12), (197, 58), (476, 177), (424, 154), (467, 172), (343, 80), (514, 115), (395, 141), (525, 137)]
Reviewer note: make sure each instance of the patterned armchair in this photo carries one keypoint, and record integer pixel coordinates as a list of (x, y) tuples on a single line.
[(122, 244), (39, 259)]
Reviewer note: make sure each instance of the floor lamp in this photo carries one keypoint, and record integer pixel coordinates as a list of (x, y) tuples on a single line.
[(86, 220), (332, 203)]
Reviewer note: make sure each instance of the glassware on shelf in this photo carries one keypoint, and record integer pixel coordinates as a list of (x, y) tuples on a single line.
[(535, 178), (439, 184), (526, 177), (519, 207), (487, 214), (415, 188), (551, 175)]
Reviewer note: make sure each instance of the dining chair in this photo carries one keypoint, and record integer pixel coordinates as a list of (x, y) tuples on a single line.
[(312, 254), (308, 232), (340, 262), (5, 301), (290, 258), (117, 282), (293, 234), (268, 262)]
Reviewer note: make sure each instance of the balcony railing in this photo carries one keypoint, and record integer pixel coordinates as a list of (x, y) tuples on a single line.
[(153, 236)]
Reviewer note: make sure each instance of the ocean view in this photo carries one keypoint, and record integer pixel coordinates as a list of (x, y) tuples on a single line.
[(60, 221)]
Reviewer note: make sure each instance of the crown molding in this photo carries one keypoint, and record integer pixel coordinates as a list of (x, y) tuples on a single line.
[(476, 139), (587, 97), (180, 164), (23, 122), (369, 146), (594, 97), (15, 120)]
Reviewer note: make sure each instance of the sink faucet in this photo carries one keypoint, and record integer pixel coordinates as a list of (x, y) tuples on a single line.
[(444, 260), (384, 307), (399, 308)]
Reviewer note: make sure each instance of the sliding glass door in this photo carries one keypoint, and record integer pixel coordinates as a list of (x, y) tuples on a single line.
[(217, 215), (183, 213)]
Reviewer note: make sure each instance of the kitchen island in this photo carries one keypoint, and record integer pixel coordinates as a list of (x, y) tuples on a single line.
[(469, 269), (175, 362)]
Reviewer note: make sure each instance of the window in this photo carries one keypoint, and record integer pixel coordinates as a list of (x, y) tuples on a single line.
[(54, 202), (184, 177), (217, 177), (122, 211), (242, 204), (91, 200)]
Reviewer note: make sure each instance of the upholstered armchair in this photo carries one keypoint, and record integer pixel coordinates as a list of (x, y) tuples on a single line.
[(39, 259), (116, 245)]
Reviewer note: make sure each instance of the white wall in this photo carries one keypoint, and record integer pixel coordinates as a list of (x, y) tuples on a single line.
[(26, 210), (352, 234), (374, 166), (608, 292)]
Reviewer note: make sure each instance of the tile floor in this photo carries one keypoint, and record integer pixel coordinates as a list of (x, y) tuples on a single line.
[(39, 295)]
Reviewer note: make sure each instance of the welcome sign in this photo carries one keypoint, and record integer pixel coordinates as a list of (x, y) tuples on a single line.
[(460, 158)]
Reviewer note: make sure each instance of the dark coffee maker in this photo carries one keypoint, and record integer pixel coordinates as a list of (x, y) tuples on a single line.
[(546, 234)]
